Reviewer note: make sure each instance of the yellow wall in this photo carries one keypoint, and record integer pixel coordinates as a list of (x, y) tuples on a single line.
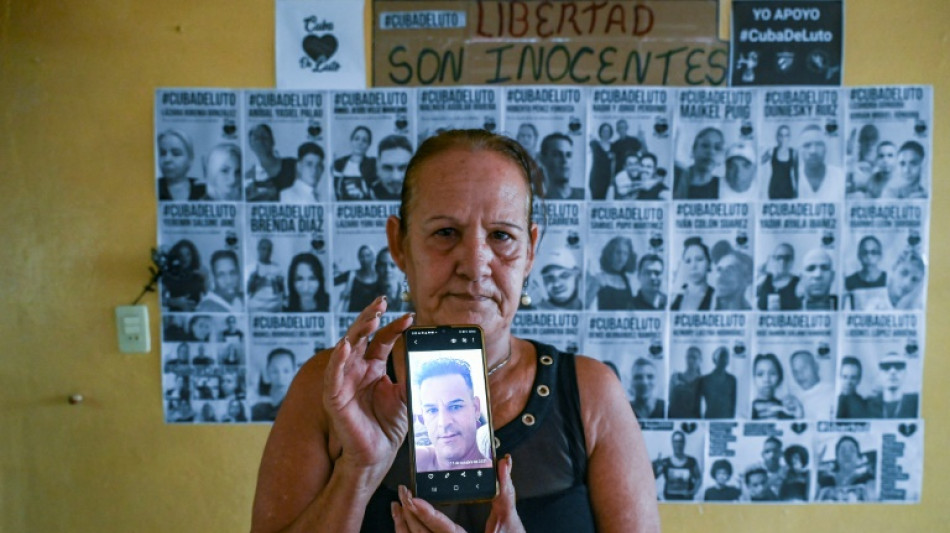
[(77, 218)]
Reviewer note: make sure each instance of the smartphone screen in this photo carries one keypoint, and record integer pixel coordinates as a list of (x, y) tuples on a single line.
[(449, 416)]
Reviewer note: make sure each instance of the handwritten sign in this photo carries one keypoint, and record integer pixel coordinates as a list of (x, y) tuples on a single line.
[(542, 42)]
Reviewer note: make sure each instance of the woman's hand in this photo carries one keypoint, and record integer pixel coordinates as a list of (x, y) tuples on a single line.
[(417, 515), (366, 409)]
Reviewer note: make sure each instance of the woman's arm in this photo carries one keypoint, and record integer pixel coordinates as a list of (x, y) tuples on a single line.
[(620, 476), (336, 435)]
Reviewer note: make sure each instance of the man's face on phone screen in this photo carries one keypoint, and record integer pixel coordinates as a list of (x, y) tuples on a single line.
[(450, 412)]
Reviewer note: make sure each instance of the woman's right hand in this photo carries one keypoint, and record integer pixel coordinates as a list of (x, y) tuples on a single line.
[(367, 410)]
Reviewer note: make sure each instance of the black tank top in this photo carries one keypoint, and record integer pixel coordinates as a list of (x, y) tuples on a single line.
[(549, 452)]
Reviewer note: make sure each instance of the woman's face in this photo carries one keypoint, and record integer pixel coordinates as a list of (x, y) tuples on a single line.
[(366, 257), (847, 453), (765, 376), (619, 257), (647, 168), (696, 264), (605, 132), (386, 268), (708, 150), (228, 384), (359, 142), (202, 328), (305, 282), (904, 279), (783, 136), (468, 244), (224, 175), (185, 256), (173, 158)]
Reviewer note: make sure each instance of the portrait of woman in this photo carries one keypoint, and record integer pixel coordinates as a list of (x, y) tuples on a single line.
[(465, 241), (184, 282), (698, 181), (783, 161), (767, 377), (223, 173), (695, 292), (849, 476), (354, 174), (610, 286), (388, 279), (176, 153), (359, 285), (602, 162), (237, 412), (306, 290)]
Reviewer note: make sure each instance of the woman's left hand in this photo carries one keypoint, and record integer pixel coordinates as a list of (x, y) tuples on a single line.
[(417, 515)]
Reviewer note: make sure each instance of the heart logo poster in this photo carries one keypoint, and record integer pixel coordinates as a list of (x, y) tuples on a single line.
[(319, 44)]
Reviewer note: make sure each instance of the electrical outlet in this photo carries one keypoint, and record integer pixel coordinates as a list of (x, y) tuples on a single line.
[(132, 324)]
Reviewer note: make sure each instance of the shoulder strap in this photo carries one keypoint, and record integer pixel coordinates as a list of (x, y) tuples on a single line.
[(570, 405)]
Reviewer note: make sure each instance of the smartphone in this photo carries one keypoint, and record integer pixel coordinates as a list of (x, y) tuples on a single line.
[(452, 451)]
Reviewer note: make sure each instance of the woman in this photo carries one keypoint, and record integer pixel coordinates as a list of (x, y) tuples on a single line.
[(611, 286), (199, 328), (466, 243), (223, 173), (388, 276), (767, 377), (602, 162), (850, 477), (184, 281), (176, 153), (696, 294), (777, 290), (698, 181), (306, 292), (353, 174), (360, 284), (271, 173), (236, 411), (684, 387), (784, 162)]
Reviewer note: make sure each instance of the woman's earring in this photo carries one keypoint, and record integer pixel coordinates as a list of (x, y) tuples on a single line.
[(404, 293), (525, 297)]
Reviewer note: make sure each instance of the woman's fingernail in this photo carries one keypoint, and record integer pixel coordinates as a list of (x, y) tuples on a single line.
[(393, 508)]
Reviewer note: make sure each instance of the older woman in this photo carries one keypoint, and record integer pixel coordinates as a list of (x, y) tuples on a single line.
[(176, 153), (337, 456)]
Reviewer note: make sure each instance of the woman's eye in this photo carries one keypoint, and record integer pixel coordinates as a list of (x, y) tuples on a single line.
[(445, 232), (501, 236)]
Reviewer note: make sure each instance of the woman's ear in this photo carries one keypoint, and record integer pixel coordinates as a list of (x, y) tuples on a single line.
[(395, 237), (534, 232)]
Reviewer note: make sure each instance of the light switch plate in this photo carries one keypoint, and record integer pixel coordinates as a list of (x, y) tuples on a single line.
[(132, 324)]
